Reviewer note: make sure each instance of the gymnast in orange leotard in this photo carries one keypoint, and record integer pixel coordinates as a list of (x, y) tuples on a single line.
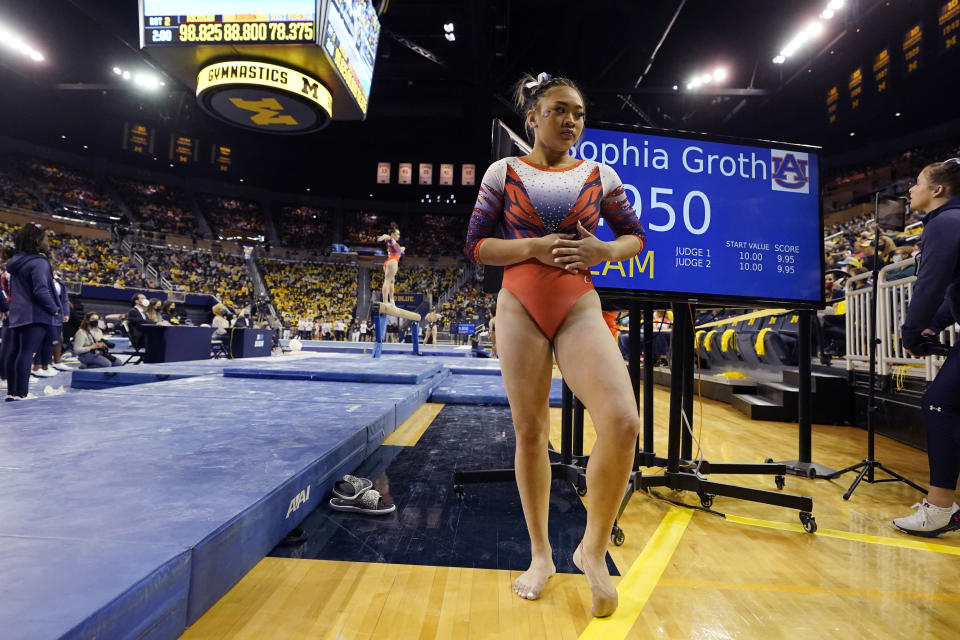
[(535, 216), (392, 263)]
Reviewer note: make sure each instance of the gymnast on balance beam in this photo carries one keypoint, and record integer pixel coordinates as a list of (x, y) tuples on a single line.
[(536, 215), (392, 263)]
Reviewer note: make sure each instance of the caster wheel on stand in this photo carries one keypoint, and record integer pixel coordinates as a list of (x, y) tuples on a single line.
[(617, 536), (808, 521)]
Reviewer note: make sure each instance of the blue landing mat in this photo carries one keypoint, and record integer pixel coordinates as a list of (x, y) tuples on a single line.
[(395, 348), (396, 370), (50, 586), (406, 398), (222, 482), (107, 378), (480, 389), (131, 374)]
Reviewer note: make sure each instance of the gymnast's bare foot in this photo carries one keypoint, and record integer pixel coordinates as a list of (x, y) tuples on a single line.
[(604, 593), (531, 583)]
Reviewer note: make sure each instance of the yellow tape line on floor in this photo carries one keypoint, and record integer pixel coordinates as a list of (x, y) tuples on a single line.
[(635, 588), (846, 535)]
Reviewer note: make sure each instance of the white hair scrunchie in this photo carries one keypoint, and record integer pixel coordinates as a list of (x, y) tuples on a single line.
[(541, 78)]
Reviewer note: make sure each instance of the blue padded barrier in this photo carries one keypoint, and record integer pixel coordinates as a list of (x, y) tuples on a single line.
[(473, 389), (397, 371), (50, 586)]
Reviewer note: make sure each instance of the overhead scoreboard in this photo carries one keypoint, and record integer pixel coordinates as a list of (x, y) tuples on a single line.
[(276, 66), (727, 221), (188, 22)]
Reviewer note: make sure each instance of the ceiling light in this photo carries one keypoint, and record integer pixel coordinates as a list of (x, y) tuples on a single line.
[(835, 5), (450, 37), (827, 14), (15, 41), (126, 75), (779, 59), (117, 70), (448, 27), (896, 115), (814, 29), (146, 80), (720, 74), (85, 147), (852, 133), (65, 137), (674, 87), (706, 78)]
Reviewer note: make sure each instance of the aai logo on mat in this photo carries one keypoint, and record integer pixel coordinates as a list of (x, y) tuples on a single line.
[(789, 171)]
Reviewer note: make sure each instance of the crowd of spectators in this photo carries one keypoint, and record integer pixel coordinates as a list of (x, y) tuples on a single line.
[(233, 217), (304, 227), (470, 303), (305, 291), (69, 191), (436, 236), (197, 271), (87, 260), (14, 194), (423, 280), (363, 227), (159, 207)]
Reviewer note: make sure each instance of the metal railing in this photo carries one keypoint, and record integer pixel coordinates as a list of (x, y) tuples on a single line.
[(893, 300)]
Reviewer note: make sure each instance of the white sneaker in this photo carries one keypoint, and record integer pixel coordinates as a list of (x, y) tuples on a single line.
[(59, 366), (929, 520), (44, 373)]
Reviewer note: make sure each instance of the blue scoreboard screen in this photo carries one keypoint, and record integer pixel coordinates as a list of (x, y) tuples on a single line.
[(726, 221)]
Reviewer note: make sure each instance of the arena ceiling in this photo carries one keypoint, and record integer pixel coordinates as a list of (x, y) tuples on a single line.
[(433, 101)]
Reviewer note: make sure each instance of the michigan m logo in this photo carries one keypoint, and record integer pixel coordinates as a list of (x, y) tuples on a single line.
[(789, 171), (266, 112)]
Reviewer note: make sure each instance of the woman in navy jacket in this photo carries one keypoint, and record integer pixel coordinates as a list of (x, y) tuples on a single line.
[(34, 306), (934, 306), (4, 308)]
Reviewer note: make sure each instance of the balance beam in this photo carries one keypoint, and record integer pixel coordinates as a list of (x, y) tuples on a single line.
[(380, 326), (388, 309)]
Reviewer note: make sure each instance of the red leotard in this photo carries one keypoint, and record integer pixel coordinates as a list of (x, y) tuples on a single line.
[(393, 250), (521, 200)]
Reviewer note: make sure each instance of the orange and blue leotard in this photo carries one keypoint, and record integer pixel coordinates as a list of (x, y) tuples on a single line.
[(521, 200), (393, 250)]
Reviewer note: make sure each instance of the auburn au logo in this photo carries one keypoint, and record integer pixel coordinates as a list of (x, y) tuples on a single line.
[(789, 171)]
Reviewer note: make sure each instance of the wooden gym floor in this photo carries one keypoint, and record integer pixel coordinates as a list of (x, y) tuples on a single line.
[(684, 574)]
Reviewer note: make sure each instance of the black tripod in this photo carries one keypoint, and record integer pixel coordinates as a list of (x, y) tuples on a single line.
[(868, 465)]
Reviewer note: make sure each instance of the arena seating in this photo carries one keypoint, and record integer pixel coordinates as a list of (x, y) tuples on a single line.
[(233, 217), (304, 227), (69, 192), (159, 207)]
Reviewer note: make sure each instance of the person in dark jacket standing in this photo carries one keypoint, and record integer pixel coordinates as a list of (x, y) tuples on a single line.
[(33, 305), (5, 333), (934, 306)]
